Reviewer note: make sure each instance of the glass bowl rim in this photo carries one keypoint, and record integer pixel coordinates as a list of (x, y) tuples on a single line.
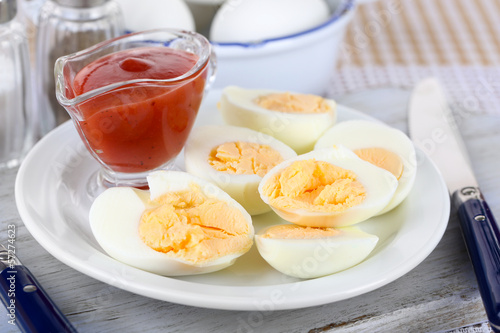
[(176, 33)]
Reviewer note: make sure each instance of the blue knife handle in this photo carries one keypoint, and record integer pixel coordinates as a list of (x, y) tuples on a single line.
[(28, 305), (482, 236)]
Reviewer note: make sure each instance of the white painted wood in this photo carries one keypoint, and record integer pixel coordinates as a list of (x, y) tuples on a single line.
[(438, 295)]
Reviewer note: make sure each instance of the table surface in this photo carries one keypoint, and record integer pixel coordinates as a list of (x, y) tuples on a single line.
[(440, 294)]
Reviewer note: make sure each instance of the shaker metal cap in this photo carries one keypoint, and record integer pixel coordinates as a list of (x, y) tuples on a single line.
[(8, 10), (80, 3)]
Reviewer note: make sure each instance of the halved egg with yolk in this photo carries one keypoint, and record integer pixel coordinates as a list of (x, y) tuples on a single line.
[(235, 159), (329, 187), (296, 119), (307, 252), (182, 226), (381, 145)]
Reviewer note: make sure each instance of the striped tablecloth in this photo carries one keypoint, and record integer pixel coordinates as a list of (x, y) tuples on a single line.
[(397, 42)]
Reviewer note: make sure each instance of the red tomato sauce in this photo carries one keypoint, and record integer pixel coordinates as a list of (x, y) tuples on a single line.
[(140, 126)]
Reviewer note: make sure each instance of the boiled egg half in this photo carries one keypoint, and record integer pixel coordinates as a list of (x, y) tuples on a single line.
[(381, 145), (306, 252), (296, 119), (235, 159), (330, 187), (181, 226)]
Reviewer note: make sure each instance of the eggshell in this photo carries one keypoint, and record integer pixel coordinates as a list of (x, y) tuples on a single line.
[(256, 20), (154, 14)]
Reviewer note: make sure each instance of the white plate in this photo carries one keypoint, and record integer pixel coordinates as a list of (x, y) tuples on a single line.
[(49, 195)]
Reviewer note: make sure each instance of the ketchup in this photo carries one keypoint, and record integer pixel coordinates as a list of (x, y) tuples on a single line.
[(139, 126)]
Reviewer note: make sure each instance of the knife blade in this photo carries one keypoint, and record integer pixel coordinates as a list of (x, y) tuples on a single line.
[(433, 129), (28, 305)]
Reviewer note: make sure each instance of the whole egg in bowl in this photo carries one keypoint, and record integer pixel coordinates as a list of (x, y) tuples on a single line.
[(306, 252), (330, 187), (235, 159), (235, 21), (182, 226), (293, 60), (381, 145), (296, 119)]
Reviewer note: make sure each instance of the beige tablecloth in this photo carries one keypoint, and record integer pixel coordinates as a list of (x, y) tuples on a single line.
[(397, 42)]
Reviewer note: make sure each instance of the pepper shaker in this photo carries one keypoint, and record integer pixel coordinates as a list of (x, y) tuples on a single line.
[(65, 27), (16, 109)]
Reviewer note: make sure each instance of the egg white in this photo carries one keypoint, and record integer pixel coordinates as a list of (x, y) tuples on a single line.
[(379, 185), (311, 258), (243, 188), (357, 134), (298, 130), (115, 215)]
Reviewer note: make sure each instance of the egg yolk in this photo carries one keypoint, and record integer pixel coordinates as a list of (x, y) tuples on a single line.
[(315, 186), (382, 158), (293, 103), (290, 231), (193, 227), (246, 158)]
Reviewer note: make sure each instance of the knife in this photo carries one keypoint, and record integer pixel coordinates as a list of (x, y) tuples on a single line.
[(28, 305), (433, 129)]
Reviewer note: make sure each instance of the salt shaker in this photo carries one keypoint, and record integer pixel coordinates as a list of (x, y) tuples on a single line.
[(65, 27), (16, 109)]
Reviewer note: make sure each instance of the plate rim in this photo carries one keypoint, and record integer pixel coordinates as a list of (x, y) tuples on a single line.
[(191, 295)]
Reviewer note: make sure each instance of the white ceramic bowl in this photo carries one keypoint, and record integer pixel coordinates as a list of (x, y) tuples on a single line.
[(302, 62)]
